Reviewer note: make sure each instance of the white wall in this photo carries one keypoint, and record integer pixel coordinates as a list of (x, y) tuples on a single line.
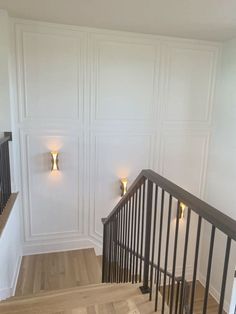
[(10, 253), (11, 237), (5, 116), (221, 176), (112, 104)]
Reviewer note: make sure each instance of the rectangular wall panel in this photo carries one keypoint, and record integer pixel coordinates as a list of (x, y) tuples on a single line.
[(115, 157), (50, 73), (190, 83), (183, 158), (51, 197), (125, 77)]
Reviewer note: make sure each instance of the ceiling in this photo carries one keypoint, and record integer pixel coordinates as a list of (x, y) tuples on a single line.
[(201, 19)]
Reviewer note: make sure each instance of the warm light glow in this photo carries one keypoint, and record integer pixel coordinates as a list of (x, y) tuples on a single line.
[(181, 210), (123, 186), (54, 156)]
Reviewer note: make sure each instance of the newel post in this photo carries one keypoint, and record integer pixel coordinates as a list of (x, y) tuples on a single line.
[(145, 288)]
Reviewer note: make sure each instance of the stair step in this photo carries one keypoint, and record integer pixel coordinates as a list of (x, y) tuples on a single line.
[(102, 298)]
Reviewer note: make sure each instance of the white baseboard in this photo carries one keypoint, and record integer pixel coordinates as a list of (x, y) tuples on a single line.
[(10, 291), (31, 248), (214, 292)]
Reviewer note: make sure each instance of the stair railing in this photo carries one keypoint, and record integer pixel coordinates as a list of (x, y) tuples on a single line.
[(137, 239), (5, 175)]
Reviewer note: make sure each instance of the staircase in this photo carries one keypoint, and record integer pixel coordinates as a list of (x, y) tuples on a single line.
[(138, 272), (83, 299)]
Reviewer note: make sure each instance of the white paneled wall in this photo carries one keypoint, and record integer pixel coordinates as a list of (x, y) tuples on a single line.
[(112, 104)]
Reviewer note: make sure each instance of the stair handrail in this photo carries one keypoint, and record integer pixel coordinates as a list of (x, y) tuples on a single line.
[(119, 226), (214, 216)]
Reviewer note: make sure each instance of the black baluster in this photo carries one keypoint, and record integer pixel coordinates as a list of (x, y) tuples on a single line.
[(185, 258), (153, 241), (174, 256), (225, 271), (166, 254), (142, 230), (131, 239), (159, 247), (135, 236), (209, 269), (138, 233), (145, 288), (195, 262)]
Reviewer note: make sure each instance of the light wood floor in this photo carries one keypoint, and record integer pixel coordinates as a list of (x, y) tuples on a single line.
[(212, 307), (199, 299), (52, 271), (63, 272)]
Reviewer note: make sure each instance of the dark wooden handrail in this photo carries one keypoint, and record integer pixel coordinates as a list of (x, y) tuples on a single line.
[(130, 241), (4, 139), (221, 221)]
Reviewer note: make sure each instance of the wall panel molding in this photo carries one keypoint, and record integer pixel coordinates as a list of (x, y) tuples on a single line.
[(119, 102), (37, 164), (187, 152), (54, 86), (131, 64), (189, 81), (109, 165)]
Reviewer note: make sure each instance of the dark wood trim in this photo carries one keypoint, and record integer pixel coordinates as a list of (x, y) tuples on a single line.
[(7, 211), (221, 221)]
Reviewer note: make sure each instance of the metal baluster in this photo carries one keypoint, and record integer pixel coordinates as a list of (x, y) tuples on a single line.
[(116, 246), (121, 244), (159, 246), (142, 230), (153, 241), (166, 254), (128, 240), (131, 239), (195, 262), (104, 252), (174, 257), (209, 269), (225, 271), (177, 298), (185, 258), (145, 288), (125, 240), (135, 235), (138, 233), (109, 258)]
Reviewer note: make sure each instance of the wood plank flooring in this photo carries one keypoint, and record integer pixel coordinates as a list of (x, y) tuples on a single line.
[(43, 273), (199, 299), (212, 307), (93, 299), (61, 270)]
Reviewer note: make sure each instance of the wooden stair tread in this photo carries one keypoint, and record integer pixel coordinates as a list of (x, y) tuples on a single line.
[(55, 292), (103, 298)]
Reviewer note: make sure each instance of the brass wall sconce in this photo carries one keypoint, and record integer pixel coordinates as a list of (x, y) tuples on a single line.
[(182, 207), (123, 186), (54, 160)]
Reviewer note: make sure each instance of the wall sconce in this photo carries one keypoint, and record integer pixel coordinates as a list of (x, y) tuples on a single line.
[(182, 207), (54, 160), (123, 186)]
